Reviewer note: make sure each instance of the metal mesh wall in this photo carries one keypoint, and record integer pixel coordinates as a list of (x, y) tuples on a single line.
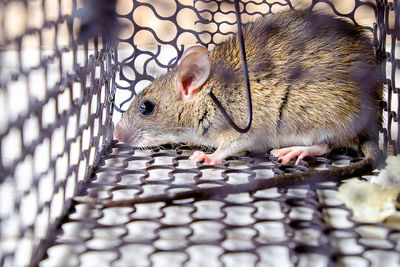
[(156, 33), (57, 97), (55, 118), (388, 38)]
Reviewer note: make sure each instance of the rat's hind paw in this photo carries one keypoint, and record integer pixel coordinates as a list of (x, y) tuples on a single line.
[(208, 159), (288, 153)]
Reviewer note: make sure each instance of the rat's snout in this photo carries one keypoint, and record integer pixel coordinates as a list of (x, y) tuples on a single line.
[(120, 134)]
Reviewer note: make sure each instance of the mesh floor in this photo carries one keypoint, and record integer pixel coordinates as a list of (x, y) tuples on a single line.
[(303, 225)]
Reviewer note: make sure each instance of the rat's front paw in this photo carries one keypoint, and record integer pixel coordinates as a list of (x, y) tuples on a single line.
[(208, 159)]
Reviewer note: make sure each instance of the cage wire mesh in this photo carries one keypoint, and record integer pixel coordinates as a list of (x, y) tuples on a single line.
[(59, 99), (55, 119)]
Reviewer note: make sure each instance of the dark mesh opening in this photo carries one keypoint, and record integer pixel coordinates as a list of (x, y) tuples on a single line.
[(59, 100)]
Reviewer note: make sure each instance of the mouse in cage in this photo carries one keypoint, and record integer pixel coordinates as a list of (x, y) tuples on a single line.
[(315, 86)]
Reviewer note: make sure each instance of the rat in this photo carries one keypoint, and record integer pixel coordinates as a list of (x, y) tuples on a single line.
[(315, 86)]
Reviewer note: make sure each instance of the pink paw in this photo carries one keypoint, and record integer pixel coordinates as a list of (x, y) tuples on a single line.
[(192, 144), (286, 154), (208, 159)]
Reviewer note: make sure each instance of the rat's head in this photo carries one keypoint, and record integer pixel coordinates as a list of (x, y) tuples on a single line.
[(162, 112)]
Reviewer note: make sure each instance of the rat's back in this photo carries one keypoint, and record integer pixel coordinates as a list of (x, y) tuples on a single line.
[(313, 78)]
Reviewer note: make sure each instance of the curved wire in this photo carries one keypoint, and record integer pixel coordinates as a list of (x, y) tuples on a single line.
[(246, 81)]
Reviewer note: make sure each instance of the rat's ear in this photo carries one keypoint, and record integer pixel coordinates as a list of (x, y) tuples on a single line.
[(193, 71)]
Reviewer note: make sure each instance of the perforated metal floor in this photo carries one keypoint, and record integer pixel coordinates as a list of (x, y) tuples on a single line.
[(303, 225)]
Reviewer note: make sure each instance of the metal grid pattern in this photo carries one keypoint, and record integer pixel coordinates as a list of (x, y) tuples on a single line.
[(388, 38), (302, 226), (156, 32), (57, 97)]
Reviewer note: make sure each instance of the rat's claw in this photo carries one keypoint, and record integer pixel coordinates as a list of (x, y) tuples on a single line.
[(278, 153), (208, 159), (284, 155), (288, 153)]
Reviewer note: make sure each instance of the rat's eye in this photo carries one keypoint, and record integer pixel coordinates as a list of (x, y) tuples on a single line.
[(147, 108)]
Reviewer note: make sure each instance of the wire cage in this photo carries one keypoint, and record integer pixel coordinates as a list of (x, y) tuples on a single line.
[(69, 69)]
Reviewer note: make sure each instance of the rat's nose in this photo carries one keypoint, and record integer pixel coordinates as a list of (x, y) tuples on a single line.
[(118, 133)]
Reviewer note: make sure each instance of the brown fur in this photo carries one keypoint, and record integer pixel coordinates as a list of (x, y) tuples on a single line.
[(312, 77), (309, 74)]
